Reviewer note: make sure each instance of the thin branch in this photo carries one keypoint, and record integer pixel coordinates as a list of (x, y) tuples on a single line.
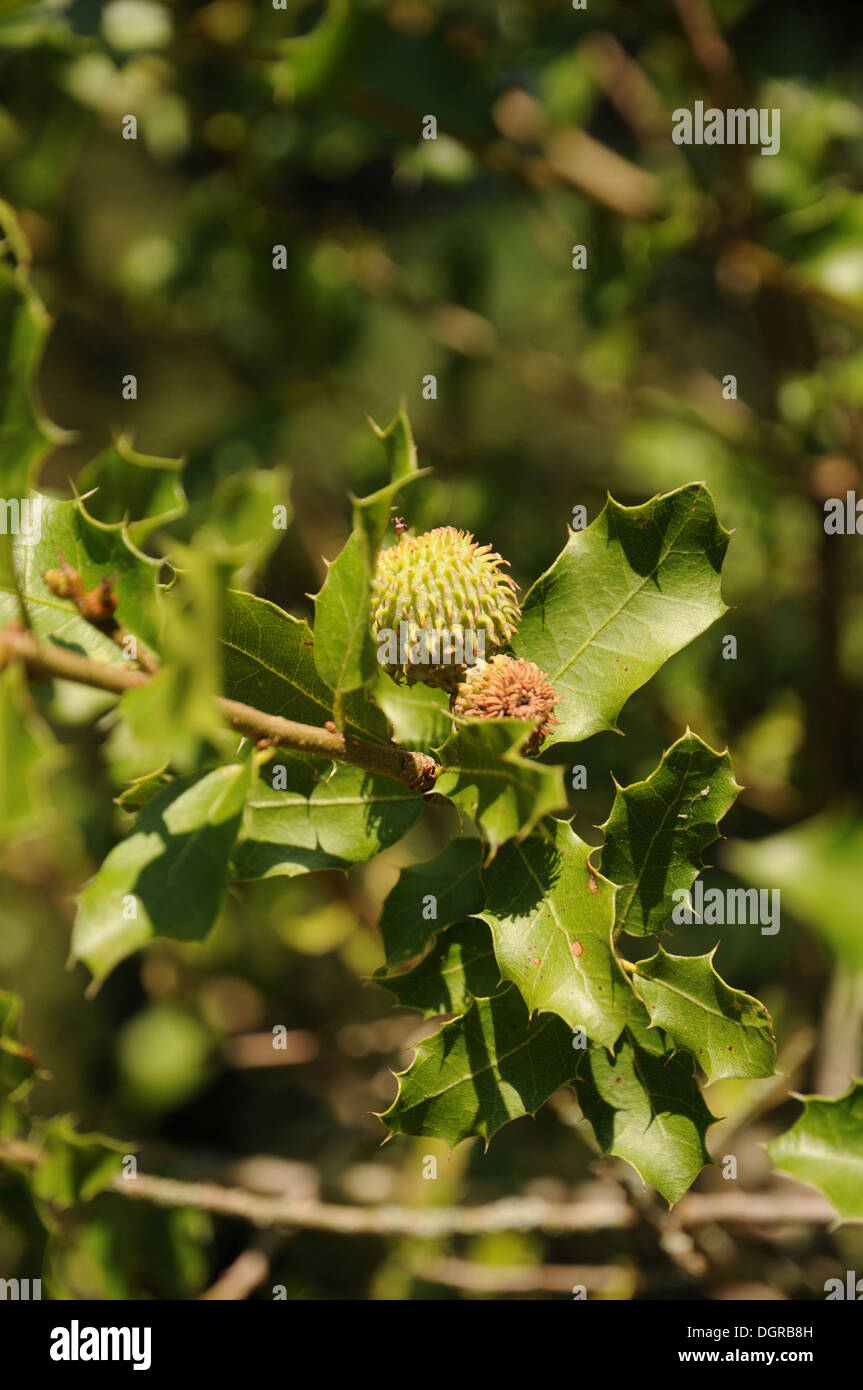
[(761, 266), (628, 88), (786, 1205), (426, 1223), (789, 1205), (514, 1213), (763, 1095), (480, 1278), (839, 1044), (716, 59), (570, 159), (418, 770), (246, 1272), (48, 661), (712, 53)]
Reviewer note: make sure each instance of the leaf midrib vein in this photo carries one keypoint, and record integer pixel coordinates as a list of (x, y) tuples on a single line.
[(496, 1063), (627, 600)]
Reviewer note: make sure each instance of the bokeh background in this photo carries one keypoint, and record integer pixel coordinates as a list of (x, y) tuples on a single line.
[(408, 258)]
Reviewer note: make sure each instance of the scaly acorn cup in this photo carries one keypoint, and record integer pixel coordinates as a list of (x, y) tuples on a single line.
[(509, 688), (440, 602)]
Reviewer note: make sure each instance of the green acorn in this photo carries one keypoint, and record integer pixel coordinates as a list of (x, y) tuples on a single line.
[(509, 688), (440, 602)]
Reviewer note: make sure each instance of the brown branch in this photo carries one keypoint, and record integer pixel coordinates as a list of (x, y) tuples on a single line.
[(571, 159), (46, 661), (710, 49), (97, 607), (479, 1278), (256, 1049), (246, 1272), (627, 88), (841, 1033), (759, 266), (781, 1207), (716, 59), (427, 1223), (786, 1205)]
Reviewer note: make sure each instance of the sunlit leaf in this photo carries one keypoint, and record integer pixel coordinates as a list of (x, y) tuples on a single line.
[(17, 1065), (63, 528), (460, 966), (268, 662), (303, 814), (345, 651), (174, 717), (484, 1069), (486, 776), (728, 1031), (28, 755), (419, 714), (623, 596), (73, 1167), (431, 896), (167, 878), (817, 867), (138, 491), (658, 828), (26, 433), (825, 1148), (645, 1106), (552, 918)]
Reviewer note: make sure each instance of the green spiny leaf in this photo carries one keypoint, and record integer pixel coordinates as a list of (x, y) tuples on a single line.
[(452, 879), (142, 789), (482, 1070), (74, 1167), (96, 553), (486, 777), (419, 714), (623, 596), (728, 1031), (137, 491), (28, 756), (268, 662), (825, 1148), (239, 528), (167, 878), (345, 651), (17, 1065), (26, 433), (460, 966), (175, 714), (645, 1106), (372, 513), (658, 828), (551, 918), (310, 816), (816, 867)]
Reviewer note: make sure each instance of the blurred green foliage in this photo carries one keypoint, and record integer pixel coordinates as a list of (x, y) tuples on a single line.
[(405, 258)]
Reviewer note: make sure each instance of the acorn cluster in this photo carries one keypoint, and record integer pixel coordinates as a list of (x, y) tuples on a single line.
[(509, 688), (441, 586), (443, 609)]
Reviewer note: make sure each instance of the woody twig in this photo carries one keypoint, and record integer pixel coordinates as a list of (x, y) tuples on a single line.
[(98, 607)]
